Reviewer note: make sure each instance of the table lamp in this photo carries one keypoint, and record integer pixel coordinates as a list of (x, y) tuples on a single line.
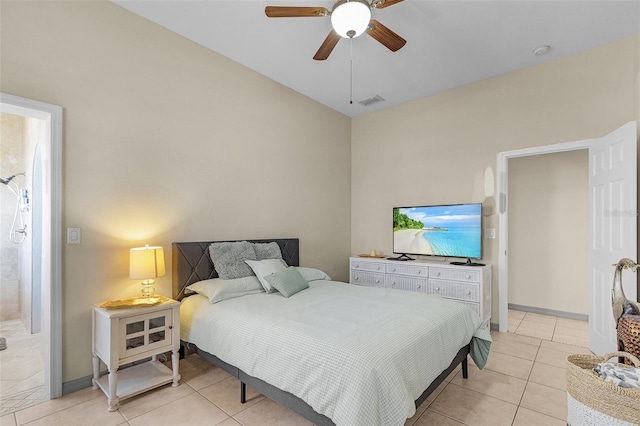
[(146, 263)]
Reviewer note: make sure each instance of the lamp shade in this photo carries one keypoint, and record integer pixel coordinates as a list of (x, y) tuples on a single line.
[(351, 15), (146, 263)]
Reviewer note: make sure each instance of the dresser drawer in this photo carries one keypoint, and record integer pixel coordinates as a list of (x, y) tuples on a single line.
[(465, 274), (404, 269), (455, 290), (401, 282), (367, 266), (371, 279)]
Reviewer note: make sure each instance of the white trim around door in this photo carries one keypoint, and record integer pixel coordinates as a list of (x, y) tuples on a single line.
[(612, 188)]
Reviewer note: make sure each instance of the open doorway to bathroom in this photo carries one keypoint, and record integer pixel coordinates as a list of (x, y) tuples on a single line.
[(22, 379), (30, 259)]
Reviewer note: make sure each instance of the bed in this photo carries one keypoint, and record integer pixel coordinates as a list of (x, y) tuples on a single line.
[(365, 357)]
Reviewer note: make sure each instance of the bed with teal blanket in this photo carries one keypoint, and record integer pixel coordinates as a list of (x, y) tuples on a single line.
[(337, 353)]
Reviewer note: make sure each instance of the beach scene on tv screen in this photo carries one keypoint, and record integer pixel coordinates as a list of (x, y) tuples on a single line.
[(438, 230)]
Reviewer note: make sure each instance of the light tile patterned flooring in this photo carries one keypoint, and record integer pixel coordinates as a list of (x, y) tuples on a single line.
[(562, 330), (21, 368), (523, 384)]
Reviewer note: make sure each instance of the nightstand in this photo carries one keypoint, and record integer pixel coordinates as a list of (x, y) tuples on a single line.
[(123, 336)]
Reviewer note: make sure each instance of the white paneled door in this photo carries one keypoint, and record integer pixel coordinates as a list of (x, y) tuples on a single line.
[(613, 220)]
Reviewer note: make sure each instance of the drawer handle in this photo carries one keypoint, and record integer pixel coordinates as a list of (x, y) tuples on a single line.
[(378, 268), (418, 286), (357, 278), (170, 327), (419, 271), (377, 281), (393, 284), (437, 288), (437, 274), (393, 270), (357, 266), (468, 292), (468, 276)]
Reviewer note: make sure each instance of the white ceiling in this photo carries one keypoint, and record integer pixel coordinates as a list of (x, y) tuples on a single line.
[(449, 43)]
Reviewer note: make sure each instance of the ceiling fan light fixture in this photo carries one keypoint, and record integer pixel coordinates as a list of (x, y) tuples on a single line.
[(350, 18)]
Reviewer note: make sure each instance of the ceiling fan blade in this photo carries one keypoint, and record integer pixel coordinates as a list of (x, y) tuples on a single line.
[(327, 46), (381, 4), (385, 36), (295, 12)]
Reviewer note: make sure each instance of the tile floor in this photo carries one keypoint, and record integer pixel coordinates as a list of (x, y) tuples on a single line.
[(21, 369), (523, 384), (562, 330)]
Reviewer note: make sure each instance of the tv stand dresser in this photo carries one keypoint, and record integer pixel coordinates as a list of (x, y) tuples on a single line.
[(470, 285)]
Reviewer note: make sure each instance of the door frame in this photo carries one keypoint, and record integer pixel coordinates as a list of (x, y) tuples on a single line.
[(503, 217), (51, 234)]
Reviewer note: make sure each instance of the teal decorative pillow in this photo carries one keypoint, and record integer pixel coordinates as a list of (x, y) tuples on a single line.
[(288, 282)]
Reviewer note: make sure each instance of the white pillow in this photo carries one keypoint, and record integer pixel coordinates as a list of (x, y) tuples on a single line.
[(312, 274), (217, 289), (265, 267)]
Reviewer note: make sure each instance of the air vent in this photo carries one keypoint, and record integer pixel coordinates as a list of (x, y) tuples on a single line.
[(371, 100)]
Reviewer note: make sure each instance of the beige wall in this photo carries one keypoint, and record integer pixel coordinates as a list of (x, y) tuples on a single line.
[(436, 149), (549, 231), (167, 141)]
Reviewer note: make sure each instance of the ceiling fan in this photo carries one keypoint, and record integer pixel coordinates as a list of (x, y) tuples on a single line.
[(349, 19)]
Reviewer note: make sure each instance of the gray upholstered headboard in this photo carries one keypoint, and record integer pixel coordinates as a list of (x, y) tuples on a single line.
[(191, 261)]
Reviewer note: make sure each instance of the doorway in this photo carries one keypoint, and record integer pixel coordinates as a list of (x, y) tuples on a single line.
[(548, 242), (47, 309), (613, 194), (21, 378), (548, 238)]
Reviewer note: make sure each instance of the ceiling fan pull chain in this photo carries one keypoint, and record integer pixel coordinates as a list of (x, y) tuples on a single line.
[(351, 75)]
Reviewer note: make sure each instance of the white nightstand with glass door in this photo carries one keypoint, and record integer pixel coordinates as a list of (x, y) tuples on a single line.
[(124, 336)]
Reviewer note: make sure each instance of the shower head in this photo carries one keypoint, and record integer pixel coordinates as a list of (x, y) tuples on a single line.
[(10, 178)]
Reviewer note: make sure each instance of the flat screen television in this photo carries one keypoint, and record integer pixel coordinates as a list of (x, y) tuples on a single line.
[(446, 230)]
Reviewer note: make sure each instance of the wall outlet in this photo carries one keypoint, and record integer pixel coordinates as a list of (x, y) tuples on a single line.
[(489, 233)]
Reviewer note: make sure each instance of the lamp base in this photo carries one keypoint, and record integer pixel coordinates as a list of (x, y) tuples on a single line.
[(147, 288)]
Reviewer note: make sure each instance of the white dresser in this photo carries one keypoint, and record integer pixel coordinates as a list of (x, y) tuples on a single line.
[(470, 285)]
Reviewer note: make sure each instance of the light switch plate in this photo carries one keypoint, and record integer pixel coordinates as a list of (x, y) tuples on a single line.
[(489, 233), (73, 235)]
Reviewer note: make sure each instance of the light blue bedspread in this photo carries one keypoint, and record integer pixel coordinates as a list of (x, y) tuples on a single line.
[(358, 355)]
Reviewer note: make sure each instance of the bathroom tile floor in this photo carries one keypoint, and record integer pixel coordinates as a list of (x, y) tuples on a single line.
[(523, 384), (21, 368)]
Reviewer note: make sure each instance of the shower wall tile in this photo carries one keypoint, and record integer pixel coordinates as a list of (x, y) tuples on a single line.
[(9, 264), (13, 158), (9, 300)]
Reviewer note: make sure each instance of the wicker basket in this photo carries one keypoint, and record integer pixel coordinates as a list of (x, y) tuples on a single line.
[(629, 336), (591, 398)]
